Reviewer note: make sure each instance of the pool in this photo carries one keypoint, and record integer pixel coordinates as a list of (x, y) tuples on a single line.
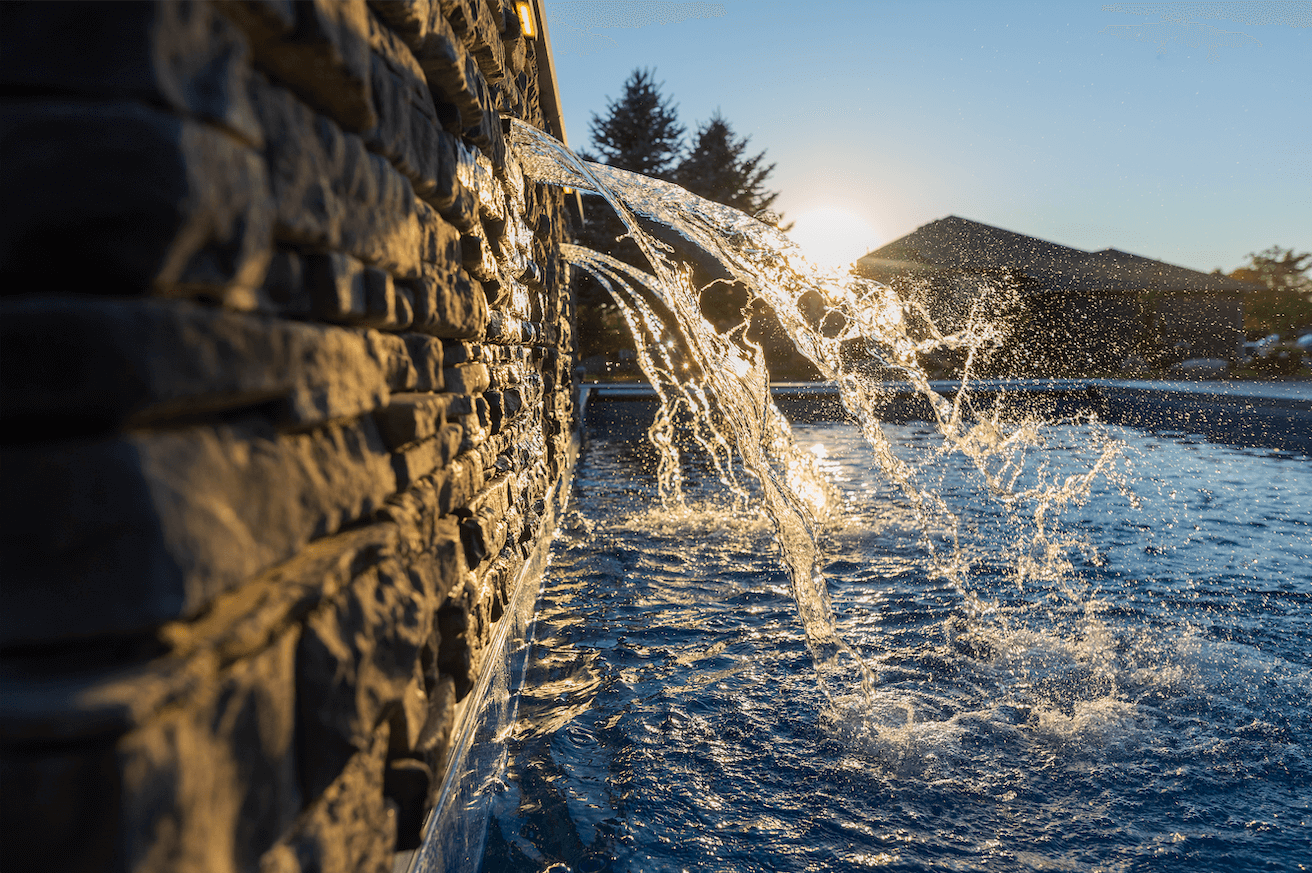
[(1142, 706)]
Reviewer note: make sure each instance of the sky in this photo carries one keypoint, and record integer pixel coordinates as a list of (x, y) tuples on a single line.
[(1176, 131)]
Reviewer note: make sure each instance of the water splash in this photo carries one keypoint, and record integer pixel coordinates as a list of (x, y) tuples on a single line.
[(858, 333)]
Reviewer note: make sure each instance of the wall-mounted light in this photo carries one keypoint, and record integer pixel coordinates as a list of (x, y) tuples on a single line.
[(527, 23)]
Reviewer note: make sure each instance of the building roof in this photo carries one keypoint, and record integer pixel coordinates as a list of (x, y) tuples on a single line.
[(956, 245)]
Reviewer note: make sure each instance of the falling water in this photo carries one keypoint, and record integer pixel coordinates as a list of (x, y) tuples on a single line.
[(718, 382), (1055, 672)]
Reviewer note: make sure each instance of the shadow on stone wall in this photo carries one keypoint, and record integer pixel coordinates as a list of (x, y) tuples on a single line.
[(286, 349)]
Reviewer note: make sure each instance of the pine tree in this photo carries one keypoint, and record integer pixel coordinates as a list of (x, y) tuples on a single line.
[(641, 130), (718, 168)]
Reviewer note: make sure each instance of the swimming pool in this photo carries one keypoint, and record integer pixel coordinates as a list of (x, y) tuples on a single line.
[(1146, 709)]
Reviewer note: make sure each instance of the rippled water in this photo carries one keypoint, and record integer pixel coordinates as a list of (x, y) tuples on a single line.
[(1147, 710)]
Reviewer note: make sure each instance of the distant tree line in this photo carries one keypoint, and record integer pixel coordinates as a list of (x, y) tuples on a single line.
[(1285, 306), (640, 131)]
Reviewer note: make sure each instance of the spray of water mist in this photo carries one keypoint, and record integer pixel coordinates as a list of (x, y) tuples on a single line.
[(716, 384)]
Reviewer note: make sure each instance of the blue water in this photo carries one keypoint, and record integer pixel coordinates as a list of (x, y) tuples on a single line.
[(1146, 709)]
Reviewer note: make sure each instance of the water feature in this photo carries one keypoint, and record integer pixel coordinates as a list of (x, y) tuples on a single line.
[(1006, 684), (1145, 711)]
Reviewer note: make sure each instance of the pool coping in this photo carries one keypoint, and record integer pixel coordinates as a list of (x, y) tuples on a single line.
[(1274, 415)]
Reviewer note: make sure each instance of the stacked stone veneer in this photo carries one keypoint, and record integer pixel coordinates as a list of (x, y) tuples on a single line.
[(286, 354)]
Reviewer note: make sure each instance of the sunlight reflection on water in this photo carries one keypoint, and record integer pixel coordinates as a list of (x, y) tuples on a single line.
[(1146, 712)]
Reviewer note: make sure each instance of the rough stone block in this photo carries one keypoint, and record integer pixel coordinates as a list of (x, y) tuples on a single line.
[(417, 460), (382, 227), (133, 363), (324, 57), (439, 241), (393, 356), (412, 20), (487, 134), (405, 308), (381, 306), (246, 620), (330, 192), (447, 304), (408, 718), (455, 656), (448, 68), (516, 55), (457, 486), (407, 784), (409, 130), (336, 283), (491, 196), (408, 418), (357, 655), (477, 257), (426, 353), (350, 828), (211, 784), (284, 292), (429, 539), (464, 353), (152, 202), (467, 378), (120, 535), (482, 36), (178, 54), (304, 159), (463, 211)]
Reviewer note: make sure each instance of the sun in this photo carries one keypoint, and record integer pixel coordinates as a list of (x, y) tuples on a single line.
[(834, 237)]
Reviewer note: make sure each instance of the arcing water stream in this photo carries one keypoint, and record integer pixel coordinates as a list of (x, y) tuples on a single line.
[(718, 383), (1055, 671)]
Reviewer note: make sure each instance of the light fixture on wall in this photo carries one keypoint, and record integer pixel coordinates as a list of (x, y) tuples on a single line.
[(527, 23)]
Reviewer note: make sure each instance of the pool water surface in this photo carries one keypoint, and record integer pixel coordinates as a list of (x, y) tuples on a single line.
[(1120, 683)]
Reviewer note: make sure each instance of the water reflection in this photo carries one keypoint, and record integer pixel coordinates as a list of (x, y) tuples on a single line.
[(1149, 712)]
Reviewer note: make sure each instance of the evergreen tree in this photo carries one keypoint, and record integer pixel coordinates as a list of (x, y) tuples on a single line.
[(640, 131), (719, 168)]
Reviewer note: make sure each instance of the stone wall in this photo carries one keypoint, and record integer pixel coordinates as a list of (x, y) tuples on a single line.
[(286, 358)]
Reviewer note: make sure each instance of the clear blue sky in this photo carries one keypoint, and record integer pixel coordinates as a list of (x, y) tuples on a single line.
[(1177, 131)]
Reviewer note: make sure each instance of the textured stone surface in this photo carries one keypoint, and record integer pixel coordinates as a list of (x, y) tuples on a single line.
[(349, 829), (330, 191), (426, 354), (137, 362), (448, 304), (324, 57), (438, 239), (452, 74), (136, 547), (154, 202), (408, 132), (237, 608), (356, 657), (477, 256), (408, 418), (394, 357), (171, 52), (421, 458), (211, 784), (467, 378)]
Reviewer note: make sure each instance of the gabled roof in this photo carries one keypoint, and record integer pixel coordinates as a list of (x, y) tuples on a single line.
[(955, 245)]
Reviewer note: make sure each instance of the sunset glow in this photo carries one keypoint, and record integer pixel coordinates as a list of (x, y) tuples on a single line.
[(833, 236)]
